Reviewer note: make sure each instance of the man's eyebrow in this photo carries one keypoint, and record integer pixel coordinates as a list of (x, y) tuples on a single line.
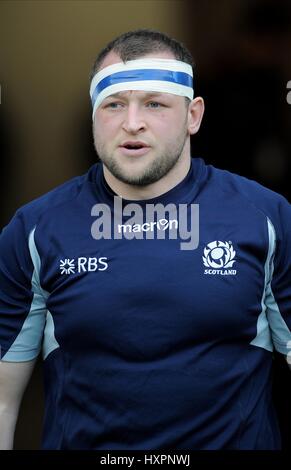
[(149, 94)]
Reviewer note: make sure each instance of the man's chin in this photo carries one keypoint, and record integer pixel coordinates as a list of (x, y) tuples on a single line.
[(133, 173), (139, 179)]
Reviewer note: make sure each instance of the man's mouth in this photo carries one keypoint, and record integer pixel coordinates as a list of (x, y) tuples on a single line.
[(134, 148)]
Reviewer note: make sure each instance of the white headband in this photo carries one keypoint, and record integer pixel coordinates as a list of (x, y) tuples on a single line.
[(160, 75)]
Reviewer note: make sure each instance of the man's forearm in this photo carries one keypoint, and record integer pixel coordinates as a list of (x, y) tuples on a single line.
[(14, 377), (8, 420)]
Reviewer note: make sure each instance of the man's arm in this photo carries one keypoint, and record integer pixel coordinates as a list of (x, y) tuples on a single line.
[(14, 377)]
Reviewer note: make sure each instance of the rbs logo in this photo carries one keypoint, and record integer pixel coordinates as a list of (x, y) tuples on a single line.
[(83, 265)]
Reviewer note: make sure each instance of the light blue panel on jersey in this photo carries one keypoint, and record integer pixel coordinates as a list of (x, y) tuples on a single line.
[(281, 334), (49, 343), (271, 327), (263, 338), (27, 344)]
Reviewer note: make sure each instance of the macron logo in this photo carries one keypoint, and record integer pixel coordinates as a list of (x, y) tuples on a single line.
[(83, 265), (161, 224)]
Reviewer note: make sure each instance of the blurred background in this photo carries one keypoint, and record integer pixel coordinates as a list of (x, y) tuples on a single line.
[(242, 54)]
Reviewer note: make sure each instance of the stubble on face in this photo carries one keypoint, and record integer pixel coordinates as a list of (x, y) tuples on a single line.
[(154, 171)]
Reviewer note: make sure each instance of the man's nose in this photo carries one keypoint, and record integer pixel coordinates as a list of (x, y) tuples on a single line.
[(133, 120)]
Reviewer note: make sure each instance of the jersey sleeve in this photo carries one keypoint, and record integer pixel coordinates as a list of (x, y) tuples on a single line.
[(22, 302), (278, 296)]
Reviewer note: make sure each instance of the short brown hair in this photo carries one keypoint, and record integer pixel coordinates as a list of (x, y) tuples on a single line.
[(134, 44)]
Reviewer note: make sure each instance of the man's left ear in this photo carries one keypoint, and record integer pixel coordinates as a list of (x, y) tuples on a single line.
[(195, 114)]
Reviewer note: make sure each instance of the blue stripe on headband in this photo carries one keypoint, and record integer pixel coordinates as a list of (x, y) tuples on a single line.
[(181, 78)]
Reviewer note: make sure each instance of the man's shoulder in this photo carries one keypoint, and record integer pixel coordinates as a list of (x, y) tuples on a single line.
[(239, 187), (243, 196), (57, 198)]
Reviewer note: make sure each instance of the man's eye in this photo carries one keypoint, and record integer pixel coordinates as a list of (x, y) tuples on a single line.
[(154, 104), (113, 105)]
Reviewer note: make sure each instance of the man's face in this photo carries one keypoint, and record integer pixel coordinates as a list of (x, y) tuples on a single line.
[(139, 135)]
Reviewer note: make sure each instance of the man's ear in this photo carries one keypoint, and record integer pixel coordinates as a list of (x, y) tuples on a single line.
[(195, 114)]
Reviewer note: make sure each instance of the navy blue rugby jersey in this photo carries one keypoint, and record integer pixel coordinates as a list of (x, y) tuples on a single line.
[(147, 345)]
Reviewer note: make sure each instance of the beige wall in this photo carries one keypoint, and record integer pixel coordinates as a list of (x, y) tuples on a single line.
[(47, 49)]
